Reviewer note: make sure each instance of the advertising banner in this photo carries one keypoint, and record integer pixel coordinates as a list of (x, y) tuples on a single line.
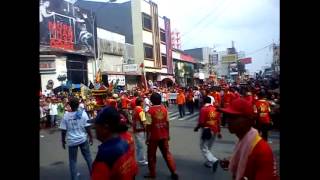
[(169, 45), (230, 58), (246, 60), (65, 27)]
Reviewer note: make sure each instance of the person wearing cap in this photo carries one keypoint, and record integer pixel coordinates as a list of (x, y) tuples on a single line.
[(138, 126), (262, 108), (158, 136), (209, 122), (226, 100), (75, 129), (181, 100), (115, 158), (252, 158)]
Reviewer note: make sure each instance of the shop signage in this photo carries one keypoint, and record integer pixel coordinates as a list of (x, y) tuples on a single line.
[(230, 58), (130, 68), (113, 79)]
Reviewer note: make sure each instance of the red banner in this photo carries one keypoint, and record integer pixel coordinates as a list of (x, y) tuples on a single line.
[(246, 60)]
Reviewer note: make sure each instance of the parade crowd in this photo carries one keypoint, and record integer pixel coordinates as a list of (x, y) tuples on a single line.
[(133, 124)]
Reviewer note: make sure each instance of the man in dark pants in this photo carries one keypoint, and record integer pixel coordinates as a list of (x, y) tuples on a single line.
[(75, 128), (181, 100)]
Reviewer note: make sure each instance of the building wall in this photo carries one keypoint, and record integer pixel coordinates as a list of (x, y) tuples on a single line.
[(114, 17), (137, 31), (61, 69), (111, 63), (196, 53), (147, 37)]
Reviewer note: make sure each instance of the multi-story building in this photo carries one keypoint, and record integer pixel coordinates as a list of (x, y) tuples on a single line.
[(207, 59), (276, 59), (115, 59), (67, 43), (183, 68), (149, 33)]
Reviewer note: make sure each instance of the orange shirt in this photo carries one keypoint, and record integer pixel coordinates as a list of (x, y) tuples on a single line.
[(181, 99)]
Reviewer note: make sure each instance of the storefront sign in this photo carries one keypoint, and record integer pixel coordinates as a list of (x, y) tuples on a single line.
[(66, 27), (113, 79), (130, 68), (169, 45), (246, 60)]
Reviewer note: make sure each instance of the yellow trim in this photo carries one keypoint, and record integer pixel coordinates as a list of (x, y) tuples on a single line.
[(255, 142)]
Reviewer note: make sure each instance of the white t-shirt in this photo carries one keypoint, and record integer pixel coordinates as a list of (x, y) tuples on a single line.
[(197, 95), (76, 132), (53, 109), (146, 104)]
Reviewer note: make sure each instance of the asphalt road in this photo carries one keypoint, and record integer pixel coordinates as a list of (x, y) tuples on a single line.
[(184, 145)]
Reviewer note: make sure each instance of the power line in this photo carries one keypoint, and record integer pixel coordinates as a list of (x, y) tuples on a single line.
[(203, 19), (216, 17)]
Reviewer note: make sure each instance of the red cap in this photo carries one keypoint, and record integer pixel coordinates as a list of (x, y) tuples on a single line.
[(239, 106)]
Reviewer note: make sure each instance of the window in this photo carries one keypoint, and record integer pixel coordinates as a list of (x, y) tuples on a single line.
[(148, 51), (164, 59), (162, 36), (147, 22)]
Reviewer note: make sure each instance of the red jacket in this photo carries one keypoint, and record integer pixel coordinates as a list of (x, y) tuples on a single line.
[(262, 107), (125, 102), (217, 98), (159, 128), (137, 124), (114, 160), (209, 117), (133, 102), (261, 164), (227, 98)]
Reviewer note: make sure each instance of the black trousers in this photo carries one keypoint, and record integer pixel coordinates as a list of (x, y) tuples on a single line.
[(190, 106), (181, 110)]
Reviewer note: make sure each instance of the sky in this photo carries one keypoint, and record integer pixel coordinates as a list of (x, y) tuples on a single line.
[(251, 24)]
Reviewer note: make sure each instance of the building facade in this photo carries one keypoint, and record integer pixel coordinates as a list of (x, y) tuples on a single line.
[(149, 33), (183, 68), (67, 43)]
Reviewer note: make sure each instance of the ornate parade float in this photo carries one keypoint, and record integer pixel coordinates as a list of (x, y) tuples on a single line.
[(99, 92)]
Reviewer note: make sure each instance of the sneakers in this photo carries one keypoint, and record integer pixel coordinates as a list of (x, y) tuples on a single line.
[(174, 176), (144, 163), (215, 166), (208, 164)]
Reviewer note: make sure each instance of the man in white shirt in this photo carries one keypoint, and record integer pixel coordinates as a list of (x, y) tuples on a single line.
[(75, 129), (53, 111), (146, 102)]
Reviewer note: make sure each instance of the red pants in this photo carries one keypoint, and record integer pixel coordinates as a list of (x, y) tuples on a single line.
[(152, 158)]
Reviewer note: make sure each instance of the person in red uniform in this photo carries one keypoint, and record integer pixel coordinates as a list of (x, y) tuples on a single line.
[(125, 101), (114, 159), (209, 122), (226, 100), (262, 108), (252, 158), (158, 136), (217, 97), (249, 97), (190, 100)]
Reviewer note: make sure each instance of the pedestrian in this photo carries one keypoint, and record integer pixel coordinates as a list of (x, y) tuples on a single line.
[(158, 136), (53, 111), (197, 96), (181, 100), (164, 98), (42, 115), (114, 159), (190, 101), (139, 123), (209, 122), (146, 101), (252, 157), (226, 100), (76, 130), (262, 108)]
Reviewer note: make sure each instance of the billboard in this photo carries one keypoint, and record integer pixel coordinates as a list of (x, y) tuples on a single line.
[(246, 60), (230, 58), (213, 59), (66, 27), (233, 69)]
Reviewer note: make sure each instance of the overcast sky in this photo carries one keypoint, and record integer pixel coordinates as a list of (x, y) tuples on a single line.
[(251, 24)]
